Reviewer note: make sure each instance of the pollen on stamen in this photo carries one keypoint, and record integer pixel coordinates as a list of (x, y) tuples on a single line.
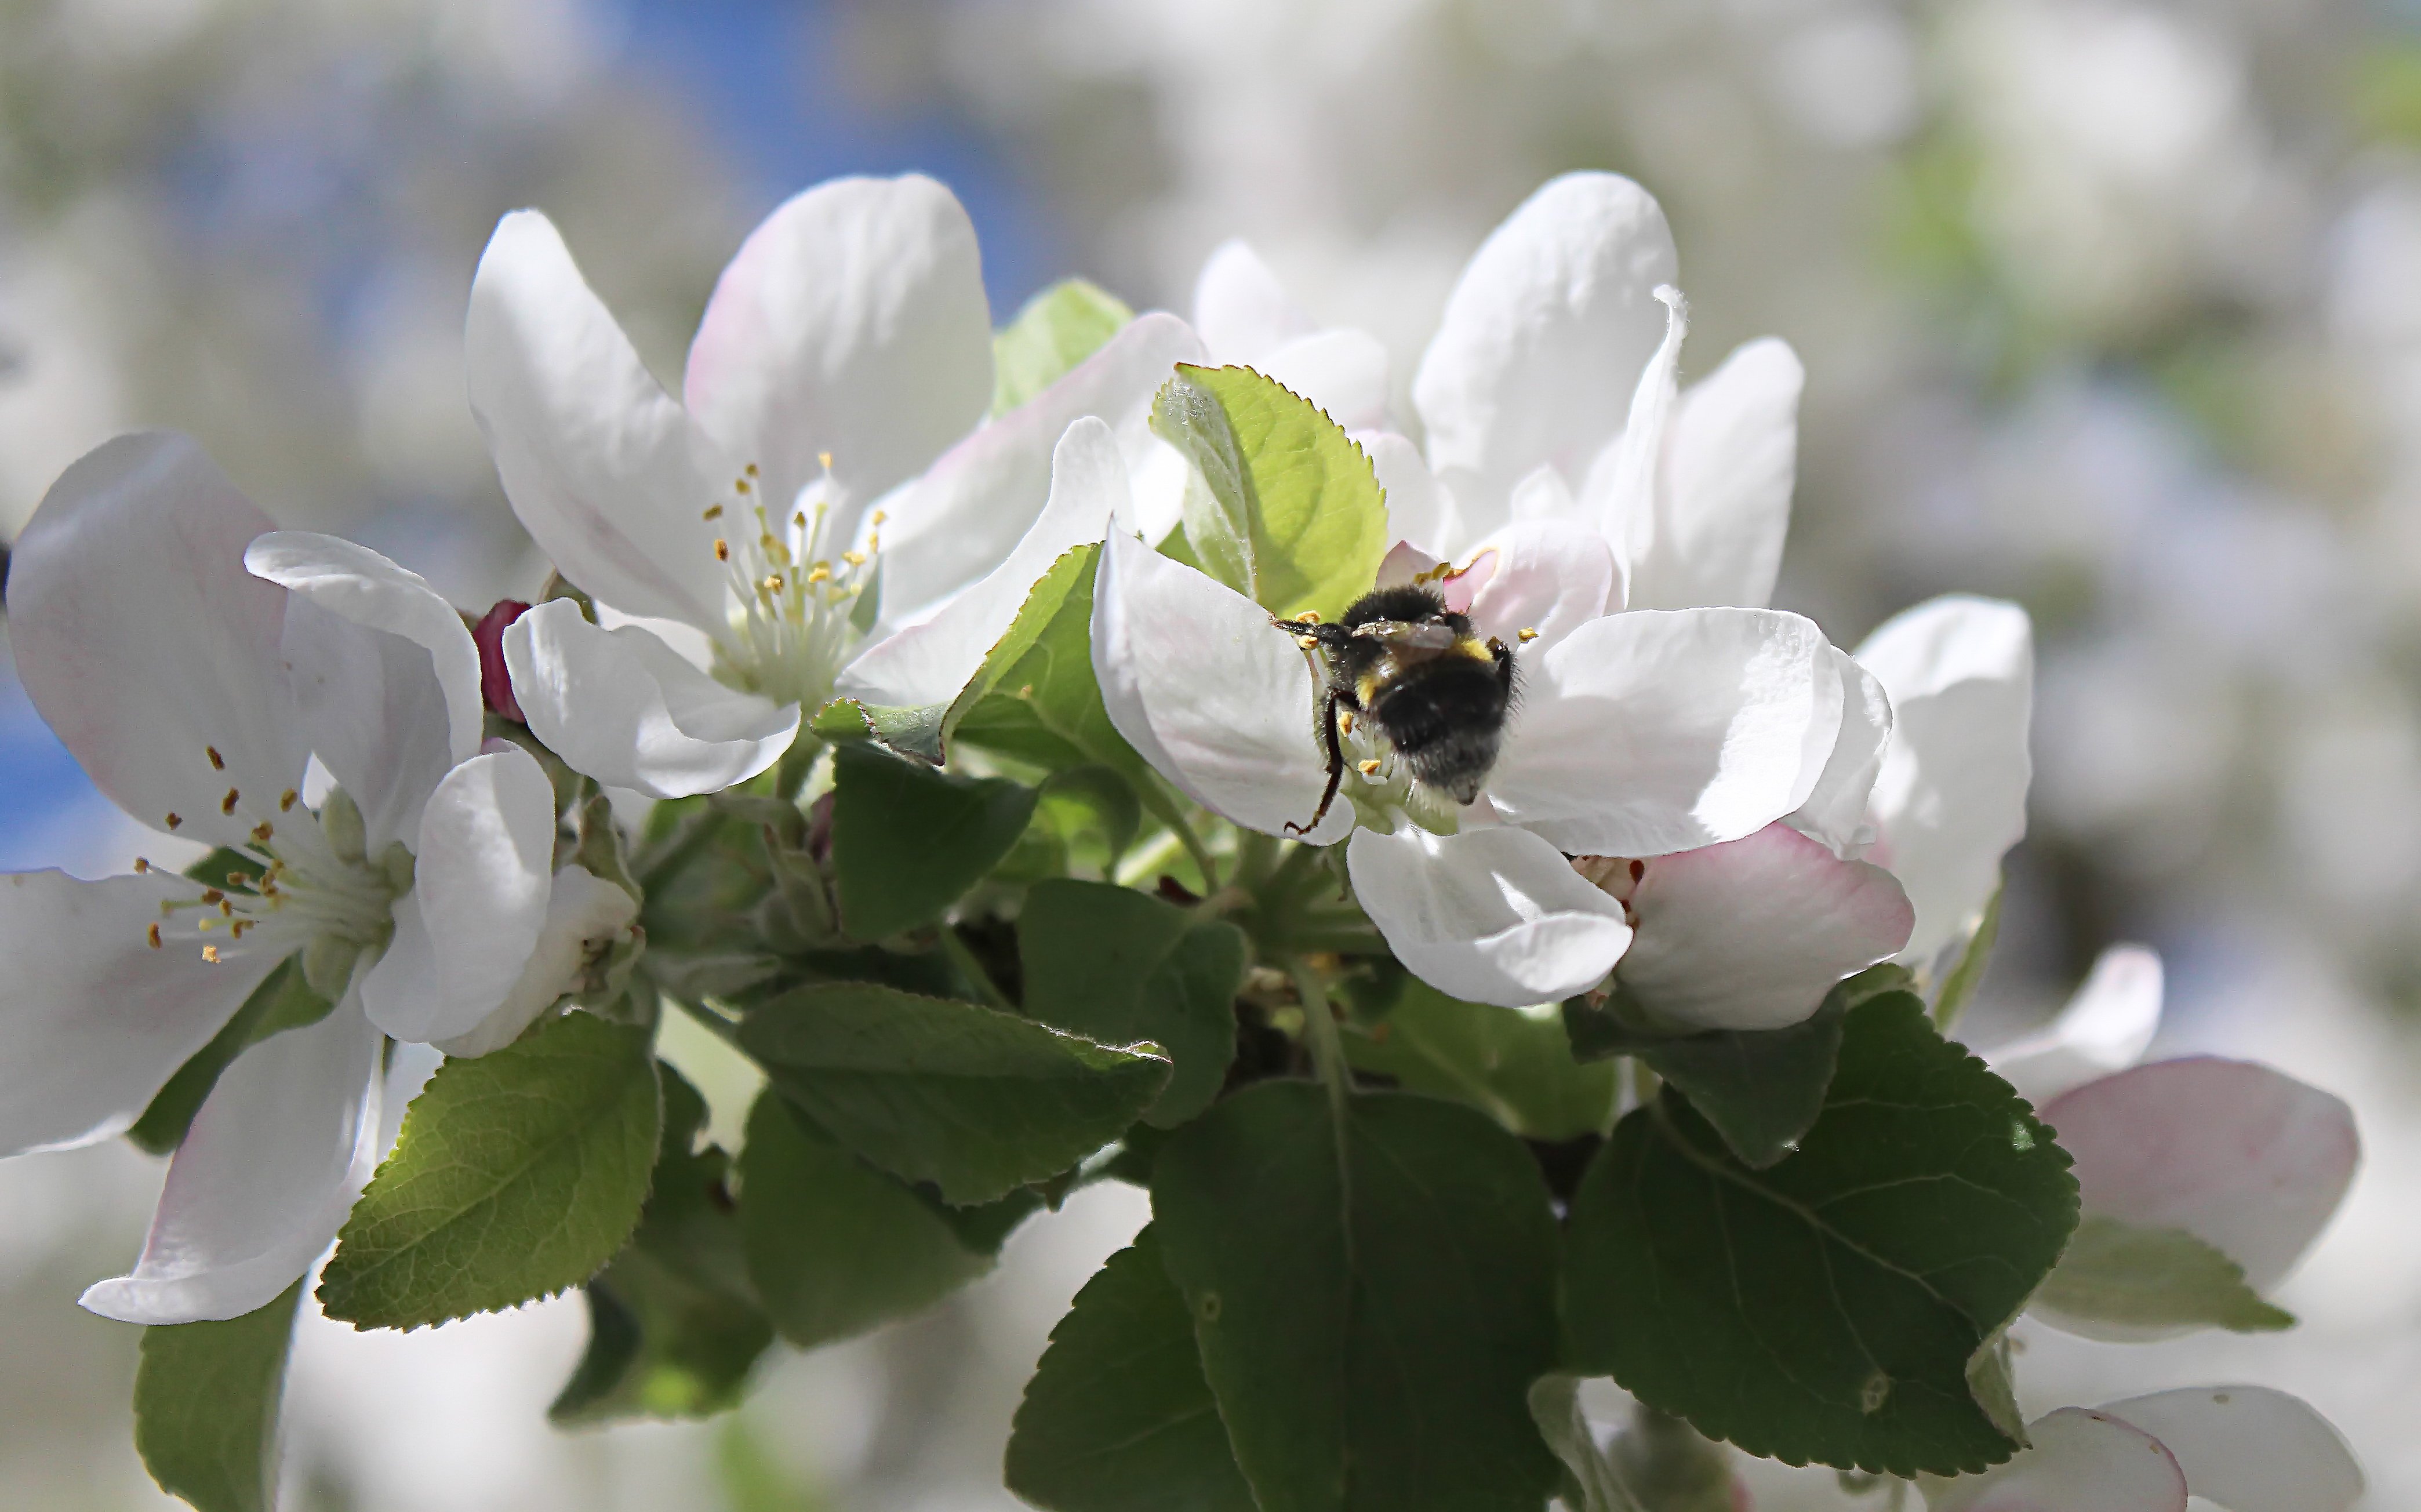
[(799, 520), (210, 954), (218, 762), (1307, 642), (226, 804), (1528, 635), (713, 511), (238, 926), (173, 820), (853, 558), (821, 572), (879, 516), (823, 459), (153, 935), (1367, 768), (721, 550), (212, 895), (286, 799), (1310, 616), (771, 582), (750, 470), (261, 831), (739, 486), (1345, 721), (141, 866)]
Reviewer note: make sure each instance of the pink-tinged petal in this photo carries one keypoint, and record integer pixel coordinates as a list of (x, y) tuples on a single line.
[(622, 707), (274, 1160), (2249, 1448), (1619, 492), (358, 585), (1836, 811), (1208, 690), (1751, 934), (145, 644), (583, 914), (1951, 797), (1492, 915), (1420, 511), (930, 663), (1665, 730), (852, 321), (93, 1021), (1542, 494), (2106, 1027), (1404, 562), (956, 522), (481, 871), (2080, 1461), (2242, 1156), (607, 474), (1723, 502), (1341, 370), (1544, 337), (1547, 576), (1242, 309)]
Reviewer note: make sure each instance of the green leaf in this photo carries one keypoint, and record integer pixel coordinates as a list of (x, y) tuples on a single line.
[(1117, 1417), (2152, 1278), (907, 840), (1968, 974), (973, 1099), (206, 1398), (1512, 1066), (282, 1000), (1118, 966), (1590, 1484), (835, 1246), (517, 1174), (1762, 1089), (1371, 1303), (1053, 332), (674, 1328), (1826, 1308), (1292, 515)]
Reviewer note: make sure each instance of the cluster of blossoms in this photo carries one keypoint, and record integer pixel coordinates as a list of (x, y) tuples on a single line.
[(965, 726)]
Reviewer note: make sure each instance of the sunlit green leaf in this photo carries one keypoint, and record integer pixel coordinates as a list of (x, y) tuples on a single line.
[(1053, 332), (907, 840)]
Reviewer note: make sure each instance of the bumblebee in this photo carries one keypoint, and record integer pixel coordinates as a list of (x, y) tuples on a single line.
[(1436, 692)]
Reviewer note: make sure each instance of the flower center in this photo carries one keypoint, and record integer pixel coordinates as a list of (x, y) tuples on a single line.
[(797, 606), (312, 887)]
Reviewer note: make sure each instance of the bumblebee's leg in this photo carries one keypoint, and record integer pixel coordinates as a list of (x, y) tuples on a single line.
[(1504, 656), (1335, 764)]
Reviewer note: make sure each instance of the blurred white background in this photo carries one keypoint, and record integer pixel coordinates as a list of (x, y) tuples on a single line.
[(2112, 306)]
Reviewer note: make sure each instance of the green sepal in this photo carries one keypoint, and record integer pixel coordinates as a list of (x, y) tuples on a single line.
[(282, 1000), (1515, 1066), (1958, 988)]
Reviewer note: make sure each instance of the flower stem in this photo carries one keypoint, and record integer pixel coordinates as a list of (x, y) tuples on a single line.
[(1327, 1045), (973, 969), (714, 1024)]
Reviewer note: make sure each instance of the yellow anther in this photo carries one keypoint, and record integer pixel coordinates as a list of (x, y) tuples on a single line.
[(773, 583), (721, 550), (1345, 721), (218, 762), (819, 572), (750, 470), (210, 954), (739, 486), (141, 866), (1528, 635), (226, 804), (212, 895), (154, 935), (1307, 642), (853, 558), (824, 458), (238, 927), (286, 799), (227, 910), (879, 516), (172, 821), (713, 511), (1367, 768), (261, 831)]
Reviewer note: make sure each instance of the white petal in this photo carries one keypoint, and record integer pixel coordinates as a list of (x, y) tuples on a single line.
[(930, 663), (1665, 730), (1951, 797), (359, 585), (1751, 934), (1490, 915), (1242, 310), (2249, 1448), (1419, 508), (1620, 489), (958, 521), (376, 715), (480, 875), (582, 912), (851, 321), (606, 472), (625, 709), (144, 642), (93, 1021), (1835, 809), (2081, 1461), (1723, 494), (280, 1150), (2243, 1157), (1545, 335), (1341, 370), (1548, 576), (2105, 1027), (1208, 690)]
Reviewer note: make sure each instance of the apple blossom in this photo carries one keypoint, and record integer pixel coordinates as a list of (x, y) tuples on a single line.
[(193, 659), (802, 496)]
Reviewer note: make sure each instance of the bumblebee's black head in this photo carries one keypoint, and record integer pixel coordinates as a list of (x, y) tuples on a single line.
[(1439, 694)]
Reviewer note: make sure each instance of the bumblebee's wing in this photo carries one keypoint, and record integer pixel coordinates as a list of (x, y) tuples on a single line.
[(1408, 635)]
